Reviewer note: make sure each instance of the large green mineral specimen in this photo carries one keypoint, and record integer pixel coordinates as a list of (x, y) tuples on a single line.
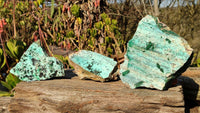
[(91, 65), (155, 55), (35, 65)]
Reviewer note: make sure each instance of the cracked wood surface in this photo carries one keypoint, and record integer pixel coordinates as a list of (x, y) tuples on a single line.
[(86, 96)]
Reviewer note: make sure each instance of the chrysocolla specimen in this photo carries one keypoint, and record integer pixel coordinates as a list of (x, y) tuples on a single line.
[(36, 65), (155, 56), (91, 65)]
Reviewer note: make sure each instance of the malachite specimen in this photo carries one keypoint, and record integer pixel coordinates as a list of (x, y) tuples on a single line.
[(91, 65), (154, 55), (35, 65)]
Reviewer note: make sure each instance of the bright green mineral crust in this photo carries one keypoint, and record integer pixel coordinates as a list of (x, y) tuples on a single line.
[(153, 56), (36, 65), (95, 63)]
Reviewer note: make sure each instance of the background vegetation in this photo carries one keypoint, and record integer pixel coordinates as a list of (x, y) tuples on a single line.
[(103, 26)]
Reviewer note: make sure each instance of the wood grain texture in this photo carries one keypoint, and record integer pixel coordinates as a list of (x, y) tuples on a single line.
[(4, 102), (85, 96)]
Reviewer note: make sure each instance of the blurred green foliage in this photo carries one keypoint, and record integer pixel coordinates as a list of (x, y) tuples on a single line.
[(86, 25), (15, 48), (2, 59), (70, 25), (75, 10), (10, 82)]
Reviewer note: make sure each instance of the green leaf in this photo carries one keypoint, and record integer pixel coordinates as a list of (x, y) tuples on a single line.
[(10, 46), (109, 50), (2, 3), (107, 21), (114, 22), (4, 93), (198, 62), (45, 14), (91, 42), (5, 84), (99, 25), (36, 3), (79, 20), (40, 2), (75, 10), (59, 11), (61, 58), (58, 35), (12, 80), (2, 59), (52, 8), (107, 39), (15, 48), (22, 23), (70, 34), (104, 16), (92, 32)]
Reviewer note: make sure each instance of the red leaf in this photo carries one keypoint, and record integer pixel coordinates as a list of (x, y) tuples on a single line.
[(98, 2), (68, 46), (4, 22), (63, 9), (35, 38), (62, 45), (1, 24), (68, 8), (95, 3), (1, 30), (56, 28)]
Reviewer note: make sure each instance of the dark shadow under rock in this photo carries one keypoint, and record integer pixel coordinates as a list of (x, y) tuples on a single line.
[(69, 74), (190, 92)]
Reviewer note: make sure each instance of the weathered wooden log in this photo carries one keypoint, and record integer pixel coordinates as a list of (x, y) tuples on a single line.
[(85, 96), (192, 72), (4, 102)]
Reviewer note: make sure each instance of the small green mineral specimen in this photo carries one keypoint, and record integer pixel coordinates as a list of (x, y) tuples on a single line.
[(91, 65), (35, 65), (155, 55)]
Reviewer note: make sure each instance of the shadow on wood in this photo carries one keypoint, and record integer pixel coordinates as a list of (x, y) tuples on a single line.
[(69, 74), (190, 91)]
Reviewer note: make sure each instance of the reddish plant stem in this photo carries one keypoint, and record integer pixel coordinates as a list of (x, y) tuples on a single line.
[(42, 39), (14, 24)]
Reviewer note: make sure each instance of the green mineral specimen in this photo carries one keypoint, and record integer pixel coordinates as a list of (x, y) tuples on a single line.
[(91, 65), (155, 55), (35, 65)]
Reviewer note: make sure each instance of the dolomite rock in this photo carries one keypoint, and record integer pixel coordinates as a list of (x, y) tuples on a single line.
[(155, 56), (35, 65)]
